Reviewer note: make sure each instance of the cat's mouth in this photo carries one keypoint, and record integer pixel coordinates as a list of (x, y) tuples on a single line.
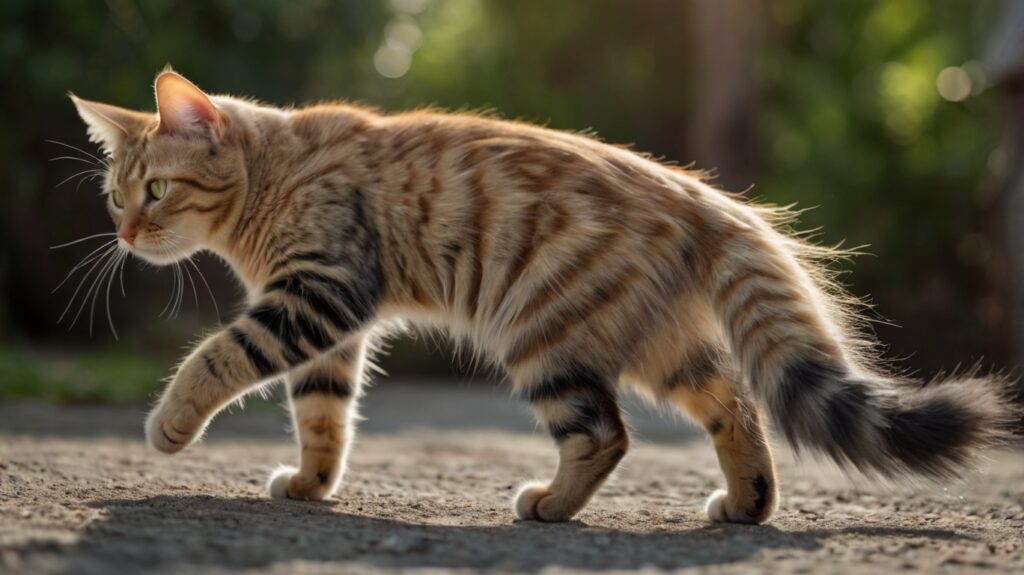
[(158, 251)]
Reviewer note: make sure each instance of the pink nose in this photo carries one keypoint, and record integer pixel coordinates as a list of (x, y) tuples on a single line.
[(128, 237)]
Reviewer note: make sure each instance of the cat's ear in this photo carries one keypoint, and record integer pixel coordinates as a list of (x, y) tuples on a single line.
[(184, 109), (108, 125)]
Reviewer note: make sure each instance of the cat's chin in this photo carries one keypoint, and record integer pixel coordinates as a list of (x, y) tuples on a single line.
[(160, 257)]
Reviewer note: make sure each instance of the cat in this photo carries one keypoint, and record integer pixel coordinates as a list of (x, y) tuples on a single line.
[(577, 266)]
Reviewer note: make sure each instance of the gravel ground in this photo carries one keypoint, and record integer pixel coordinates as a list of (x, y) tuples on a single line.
[(429, 489)]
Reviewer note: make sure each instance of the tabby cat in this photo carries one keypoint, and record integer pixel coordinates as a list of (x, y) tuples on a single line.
[(577, 266)]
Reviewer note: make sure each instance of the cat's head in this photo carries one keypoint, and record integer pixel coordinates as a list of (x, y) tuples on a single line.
[(175, 176)]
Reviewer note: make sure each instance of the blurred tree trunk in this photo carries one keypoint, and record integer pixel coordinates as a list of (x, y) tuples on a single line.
[(1005, 63), (728, 36)]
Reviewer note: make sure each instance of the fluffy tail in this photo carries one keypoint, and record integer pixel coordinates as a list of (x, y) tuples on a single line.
[(795, 335)]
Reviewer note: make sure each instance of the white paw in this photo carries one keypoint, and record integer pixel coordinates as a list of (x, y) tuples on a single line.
[(535, 502), (526, 500), (721, 510), (279, 479), (715, 507)]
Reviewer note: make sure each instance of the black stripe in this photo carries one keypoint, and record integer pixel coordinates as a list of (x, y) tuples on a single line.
[(264, 367), (761, 486), (820, 406), (322, 384), (593, 410), (316, 256), (278, 321), (212, 368), (313, 256), (929, 435), (563, 386), (330, 310), (715, 426), (690, 257), (804, 378), (312, 332), (358, 300), (701, 366), (317, 302), (206, 188), (592, 398)]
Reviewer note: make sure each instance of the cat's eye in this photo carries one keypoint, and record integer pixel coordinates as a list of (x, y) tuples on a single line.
[(158, 189), (118, 199)]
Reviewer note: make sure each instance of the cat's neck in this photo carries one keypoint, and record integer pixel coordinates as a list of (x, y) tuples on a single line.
[(287, 151)]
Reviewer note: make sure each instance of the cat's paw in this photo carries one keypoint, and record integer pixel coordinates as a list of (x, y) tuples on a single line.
[(169, 429), (287, 483), (721, 510), (278, 483), (536, 502)]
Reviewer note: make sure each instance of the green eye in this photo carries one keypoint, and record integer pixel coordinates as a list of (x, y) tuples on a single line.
[(158, 189), (118, 198)]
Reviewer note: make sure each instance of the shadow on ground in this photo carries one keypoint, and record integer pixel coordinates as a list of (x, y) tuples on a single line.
[(182, 533)]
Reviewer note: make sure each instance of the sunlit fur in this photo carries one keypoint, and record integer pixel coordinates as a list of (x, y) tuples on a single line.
[(576, 266)]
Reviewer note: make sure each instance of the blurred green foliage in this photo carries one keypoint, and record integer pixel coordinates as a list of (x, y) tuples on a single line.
[(848, 119), (107, 376), (856, 128)]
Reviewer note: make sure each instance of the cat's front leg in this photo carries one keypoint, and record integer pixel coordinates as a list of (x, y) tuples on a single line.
[(323, 395), (220, 369), (299, 316)]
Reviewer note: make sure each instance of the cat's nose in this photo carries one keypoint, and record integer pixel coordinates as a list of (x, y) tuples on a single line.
[(128, 237)]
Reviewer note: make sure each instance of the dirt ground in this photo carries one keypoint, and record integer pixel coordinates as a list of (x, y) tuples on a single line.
[(429, 489)]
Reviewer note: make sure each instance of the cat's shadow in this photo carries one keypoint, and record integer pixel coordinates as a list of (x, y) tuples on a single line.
[(186, 532)]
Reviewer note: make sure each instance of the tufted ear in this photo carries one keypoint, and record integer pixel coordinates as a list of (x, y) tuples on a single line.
[(184, 109), (108, 125)]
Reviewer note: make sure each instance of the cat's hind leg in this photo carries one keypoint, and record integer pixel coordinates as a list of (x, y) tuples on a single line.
[(708, 389), (580, 410), (322, 395)]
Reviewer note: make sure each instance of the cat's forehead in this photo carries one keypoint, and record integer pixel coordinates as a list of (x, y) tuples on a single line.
[(147, 153), (131, 161)]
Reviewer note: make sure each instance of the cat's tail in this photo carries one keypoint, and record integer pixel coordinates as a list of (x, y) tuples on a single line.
[(794, 334)]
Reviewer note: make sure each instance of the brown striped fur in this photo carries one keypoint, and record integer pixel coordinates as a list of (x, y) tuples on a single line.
[(575, 265)]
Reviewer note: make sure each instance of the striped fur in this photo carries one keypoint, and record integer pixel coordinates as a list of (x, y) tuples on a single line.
[(571, 263)]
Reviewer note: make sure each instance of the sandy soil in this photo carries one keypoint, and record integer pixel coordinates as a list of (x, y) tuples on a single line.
[(429, 489)]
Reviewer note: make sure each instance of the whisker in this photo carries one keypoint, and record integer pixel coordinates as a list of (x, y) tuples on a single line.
[(174, 285), (80, 240), (174, 305), (195, 294), (90, 173), (178, 277), (208, 290), (93, 289), (181, 288), (77, 149), (85, 261), (89, 178), (121, 255), (123, 260), (76, 158), (167, 306), (85, 298), (81, 282)]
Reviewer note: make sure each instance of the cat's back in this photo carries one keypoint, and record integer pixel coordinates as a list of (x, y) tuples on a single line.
[(518, 157)]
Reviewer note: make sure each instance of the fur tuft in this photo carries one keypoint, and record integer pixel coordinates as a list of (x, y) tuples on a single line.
[(887, 427)]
